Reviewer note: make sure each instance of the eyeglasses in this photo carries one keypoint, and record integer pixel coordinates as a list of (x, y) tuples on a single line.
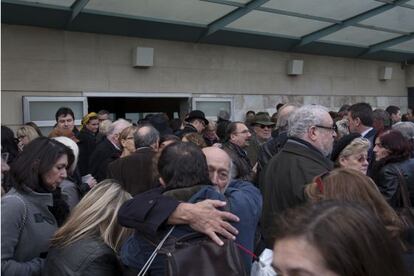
[(20, 137), (265, 126), (332, 128), (319, 181)]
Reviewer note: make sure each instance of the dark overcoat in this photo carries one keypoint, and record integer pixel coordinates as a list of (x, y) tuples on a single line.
[(286, 175)]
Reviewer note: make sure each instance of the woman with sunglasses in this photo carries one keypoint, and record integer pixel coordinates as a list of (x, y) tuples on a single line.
[(393, 165)]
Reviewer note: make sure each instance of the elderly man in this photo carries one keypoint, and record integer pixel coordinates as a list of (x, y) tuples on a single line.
[(238, 137), (272, 147), (243, 197), (262, 128), (304, 156), (136, 171), (107, 150)]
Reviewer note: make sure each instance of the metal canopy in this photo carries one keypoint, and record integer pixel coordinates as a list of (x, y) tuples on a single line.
[(369, 29)]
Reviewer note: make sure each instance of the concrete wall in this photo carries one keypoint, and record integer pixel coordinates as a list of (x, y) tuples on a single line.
[(39, 61)]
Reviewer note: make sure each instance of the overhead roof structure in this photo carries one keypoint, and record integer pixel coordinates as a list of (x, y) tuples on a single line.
[(370, 29)]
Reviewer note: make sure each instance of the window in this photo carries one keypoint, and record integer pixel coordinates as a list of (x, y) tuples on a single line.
[(41, 110), (212, 106)]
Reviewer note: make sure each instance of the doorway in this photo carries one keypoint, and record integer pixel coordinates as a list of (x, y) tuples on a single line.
[(136, 108)]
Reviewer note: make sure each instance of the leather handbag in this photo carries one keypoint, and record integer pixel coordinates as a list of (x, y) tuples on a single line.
[(406, 213), (196, 254)]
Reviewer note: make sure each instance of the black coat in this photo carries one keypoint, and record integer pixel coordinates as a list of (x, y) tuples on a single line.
[(135, 172), (287, 173), (104, 154), (371, 136), (242, 167), (88, 256), (87, 145), (388, 181)]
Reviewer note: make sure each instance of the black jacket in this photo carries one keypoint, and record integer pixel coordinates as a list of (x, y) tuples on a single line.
[(104, 154), (87, 145), (88, 257), (388, 181), (242, 166), (287, 173), (135, 172)]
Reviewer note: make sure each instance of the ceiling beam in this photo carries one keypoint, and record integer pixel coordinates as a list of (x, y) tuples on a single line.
[(76, 9), (346, 23), (386, 44), (232, 16)]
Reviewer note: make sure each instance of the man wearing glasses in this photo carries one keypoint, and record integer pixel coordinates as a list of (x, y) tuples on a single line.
[(237, 140), (311, 134)]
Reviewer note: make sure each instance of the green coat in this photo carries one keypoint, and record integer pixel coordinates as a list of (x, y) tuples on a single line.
[(286, 176)]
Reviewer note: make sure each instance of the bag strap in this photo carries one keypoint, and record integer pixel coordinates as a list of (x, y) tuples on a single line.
[(154, 254), (24, 214), (403, 189)]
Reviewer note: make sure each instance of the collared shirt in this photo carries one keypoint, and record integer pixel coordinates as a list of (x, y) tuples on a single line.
[(366, 132)]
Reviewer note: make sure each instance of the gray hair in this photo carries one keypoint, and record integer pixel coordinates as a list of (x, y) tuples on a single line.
[(117, 126), (406, 129), (283, 117), (146, 136), (305, 117)]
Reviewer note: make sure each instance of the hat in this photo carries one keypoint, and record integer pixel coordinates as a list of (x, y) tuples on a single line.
[(341, 144), (196, 114), (262, 118)]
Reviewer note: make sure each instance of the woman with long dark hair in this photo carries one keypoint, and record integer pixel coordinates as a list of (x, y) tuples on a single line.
[(33, 209), (393, 165)]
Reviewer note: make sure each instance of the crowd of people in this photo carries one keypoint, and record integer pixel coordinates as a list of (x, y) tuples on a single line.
[(326, 193)]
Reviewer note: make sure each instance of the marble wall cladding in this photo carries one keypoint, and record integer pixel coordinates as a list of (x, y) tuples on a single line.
[(244, 103)]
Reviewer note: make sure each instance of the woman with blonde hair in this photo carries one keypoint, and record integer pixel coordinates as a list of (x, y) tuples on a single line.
[(25, 134), (87, 244), (351, 151), (126, 140)]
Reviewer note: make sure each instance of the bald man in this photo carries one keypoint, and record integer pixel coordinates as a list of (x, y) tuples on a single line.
[(219, 167)]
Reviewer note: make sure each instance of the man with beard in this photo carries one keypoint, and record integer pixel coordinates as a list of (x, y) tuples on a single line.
[(304, 156)]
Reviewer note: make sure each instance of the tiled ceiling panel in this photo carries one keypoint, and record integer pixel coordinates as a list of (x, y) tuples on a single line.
[(359, 36), (189, 11), (398, 18), (62, 3), (335, 9), (405, 46), (264, 22)]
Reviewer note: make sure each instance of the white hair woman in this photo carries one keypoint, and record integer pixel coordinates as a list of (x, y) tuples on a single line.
[(351, 151), (87, 244)]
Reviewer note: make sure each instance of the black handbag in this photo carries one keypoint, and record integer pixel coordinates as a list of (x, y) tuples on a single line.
[(405, 213), (196, 254)]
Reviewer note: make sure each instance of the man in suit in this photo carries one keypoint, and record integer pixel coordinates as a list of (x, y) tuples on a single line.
[(108, 150), (304, 156), (136, 171), (360, 120)]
